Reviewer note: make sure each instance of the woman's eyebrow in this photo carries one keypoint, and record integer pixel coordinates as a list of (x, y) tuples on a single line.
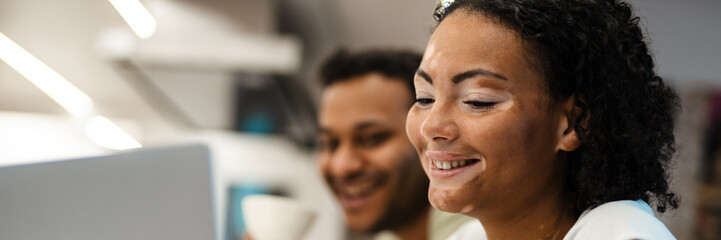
[(424, 75), (464, 75), (472, 73)]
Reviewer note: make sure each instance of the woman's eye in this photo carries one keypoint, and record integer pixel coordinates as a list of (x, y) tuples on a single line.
[(424, 101), (480, 104)]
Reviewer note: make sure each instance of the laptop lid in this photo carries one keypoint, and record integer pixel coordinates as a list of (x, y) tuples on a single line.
[(162, 193)]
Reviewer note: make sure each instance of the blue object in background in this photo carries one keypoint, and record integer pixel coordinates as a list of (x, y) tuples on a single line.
[(236, 193), (258, 122)]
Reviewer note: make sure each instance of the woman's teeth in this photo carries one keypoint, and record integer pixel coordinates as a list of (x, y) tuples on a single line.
[(446, 165)]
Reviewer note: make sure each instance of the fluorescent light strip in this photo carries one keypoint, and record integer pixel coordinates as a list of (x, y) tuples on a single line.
[(105, 133), (101, 131), (45, 78), (137, 16)]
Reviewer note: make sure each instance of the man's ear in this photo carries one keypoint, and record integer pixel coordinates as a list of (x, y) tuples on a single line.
[(568, 139)]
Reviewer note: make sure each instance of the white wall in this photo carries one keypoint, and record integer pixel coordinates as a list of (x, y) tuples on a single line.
[(685, 37), (28, 138)]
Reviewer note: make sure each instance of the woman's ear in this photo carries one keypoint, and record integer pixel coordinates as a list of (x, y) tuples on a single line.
[(568, 139)]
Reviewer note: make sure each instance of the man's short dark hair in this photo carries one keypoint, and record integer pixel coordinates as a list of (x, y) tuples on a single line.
[(398, 64)]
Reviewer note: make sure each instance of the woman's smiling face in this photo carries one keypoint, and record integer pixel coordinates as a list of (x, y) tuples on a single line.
[(486, 130)]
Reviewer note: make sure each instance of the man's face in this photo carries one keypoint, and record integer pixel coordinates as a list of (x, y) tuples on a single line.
[(365, 156)]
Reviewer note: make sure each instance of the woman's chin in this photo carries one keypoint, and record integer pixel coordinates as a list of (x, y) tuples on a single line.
[(452, 201)]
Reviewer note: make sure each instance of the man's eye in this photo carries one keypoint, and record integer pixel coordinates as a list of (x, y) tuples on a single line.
[(373, 140), (480, 104), (327, 145), (424, 101)]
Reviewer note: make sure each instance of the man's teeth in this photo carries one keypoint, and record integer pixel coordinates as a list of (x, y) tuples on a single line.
[(360, 190), (445, 165)]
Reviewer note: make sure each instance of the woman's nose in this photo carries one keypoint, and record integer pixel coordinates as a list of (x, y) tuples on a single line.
[(439, 125)]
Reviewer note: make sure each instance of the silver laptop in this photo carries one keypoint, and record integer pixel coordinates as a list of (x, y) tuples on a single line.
[(162, 193)]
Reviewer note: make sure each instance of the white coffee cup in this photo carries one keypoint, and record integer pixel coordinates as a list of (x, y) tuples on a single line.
[(269, 217)]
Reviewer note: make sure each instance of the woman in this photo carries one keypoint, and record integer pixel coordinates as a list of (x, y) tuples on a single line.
[(544, 120)]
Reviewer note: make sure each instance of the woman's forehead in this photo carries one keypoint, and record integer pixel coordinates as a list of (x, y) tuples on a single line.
[(465, 33), (467, 41)]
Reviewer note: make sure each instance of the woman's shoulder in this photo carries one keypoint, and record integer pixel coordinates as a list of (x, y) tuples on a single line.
[(619, 220)]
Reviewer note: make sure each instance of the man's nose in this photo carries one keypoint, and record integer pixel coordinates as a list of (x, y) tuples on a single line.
[(346, 161), (439, 125)]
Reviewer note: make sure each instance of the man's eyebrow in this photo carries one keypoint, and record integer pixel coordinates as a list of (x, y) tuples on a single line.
[(364, 125), (358, 127), (464, 75)]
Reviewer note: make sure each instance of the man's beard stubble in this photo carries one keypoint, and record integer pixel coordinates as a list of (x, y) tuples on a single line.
[(410, 200)]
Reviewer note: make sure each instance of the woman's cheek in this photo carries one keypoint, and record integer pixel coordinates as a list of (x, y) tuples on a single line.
[(413, 124)]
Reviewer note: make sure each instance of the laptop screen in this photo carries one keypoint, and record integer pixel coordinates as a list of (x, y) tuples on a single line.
[(162, 193)]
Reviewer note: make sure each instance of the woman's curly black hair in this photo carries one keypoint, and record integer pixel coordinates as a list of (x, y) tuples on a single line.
[(594, 51)]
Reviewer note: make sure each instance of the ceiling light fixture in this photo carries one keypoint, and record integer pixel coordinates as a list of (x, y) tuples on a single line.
[(101, 130), (137, 16), (45, 78)]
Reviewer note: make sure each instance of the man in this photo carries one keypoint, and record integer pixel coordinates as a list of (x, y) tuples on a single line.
[(365, 156)]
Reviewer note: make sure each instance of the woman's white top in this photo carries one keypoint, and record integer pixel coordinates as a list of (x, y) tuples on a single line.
[(619, 220)]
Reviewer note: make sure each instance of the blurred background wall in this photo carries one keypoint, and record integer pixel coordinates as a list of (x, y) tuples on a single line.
[(241, 76)]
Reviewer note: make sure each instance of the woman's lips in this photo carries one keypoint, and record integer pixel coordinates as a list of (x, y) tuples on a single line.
[(444, 165)]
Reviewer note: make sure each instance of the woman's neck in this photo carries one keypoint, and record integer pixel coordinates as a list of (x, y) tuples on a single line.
[(550, 217), (537, 226)]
